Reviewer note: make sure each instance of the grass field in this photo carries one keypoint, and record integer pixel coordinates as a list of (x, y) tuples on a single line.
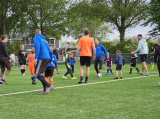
[(134, 97)]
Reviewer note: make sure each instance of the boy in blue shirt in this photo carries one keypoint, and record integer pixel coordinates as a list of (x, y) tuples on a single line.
[(43, 55), (119, 61), (72, 60), (50, 68)]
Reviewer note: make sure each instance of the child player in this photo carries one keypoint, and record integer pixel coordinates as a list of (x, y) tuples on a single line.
[(153, 60), (119, 61), (108, 61), (72, 60), (31, 65), (133, 61), (67, 63), (50, 68)]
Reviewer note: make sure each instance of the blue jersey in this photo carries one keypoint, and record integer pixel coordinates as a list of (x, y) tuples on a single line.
[(54, 61), (42, 49), (120, 60), (72, 61)]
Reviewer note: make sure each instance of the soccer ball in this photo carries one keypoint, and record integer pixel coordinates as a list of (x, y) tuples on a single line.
[(99, 75), (158, 83)]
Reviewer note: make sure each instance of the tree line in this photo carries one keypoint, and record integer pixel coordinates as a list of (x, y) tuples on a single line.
[(58, 18)]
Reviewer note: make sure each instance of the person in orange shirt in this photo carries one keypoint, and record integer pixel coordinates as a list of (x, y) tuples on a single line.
[(31, 65), (86, 44)]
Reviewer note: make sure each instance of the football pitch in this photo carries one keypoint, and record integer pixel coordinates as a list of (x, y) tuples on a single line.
[(133, 97)]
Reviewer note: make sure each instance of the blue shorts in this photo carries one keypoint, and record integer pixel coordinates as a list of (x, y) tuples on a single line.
[(109, 67), (119, 67)]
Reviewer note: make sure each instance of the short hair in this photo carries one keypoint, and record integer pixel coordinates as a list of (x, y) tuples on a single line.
[(118, 51), (139, 35), (21, 46), (158, 41), (51, 48), (3, 37), (132, 50), (87, 32), (69, 49), (38, 31), (33, 50)]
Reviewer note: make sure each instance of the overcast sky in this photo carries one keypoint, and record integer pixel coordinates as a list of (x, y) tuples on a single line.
[(129, 32)]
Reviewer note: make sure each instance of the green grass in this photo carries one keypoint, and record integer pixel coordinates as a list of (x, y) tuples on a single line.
[(123, 99)]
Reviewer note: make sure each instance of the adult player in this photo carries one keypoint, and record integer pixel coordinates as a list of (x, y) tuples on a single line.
[(86, 44), (22, 55), (55, 52), (99, 56), (43, 55), (143, 50), (4, 60)]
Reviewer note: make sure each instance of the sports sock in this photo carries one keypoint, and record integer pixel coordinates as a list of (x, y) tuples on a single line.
[(86, 78), (22, 71), (107, 70), (99, 71), (46, 78), (111, 70), (81, 77), (34, 78), (130, 70), (137, 69), (51, 80), (42, 79), (152, 66)]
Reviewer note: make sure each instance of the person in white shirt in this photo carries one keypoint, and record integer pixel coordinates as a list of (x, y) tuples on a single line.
[(12, 56)]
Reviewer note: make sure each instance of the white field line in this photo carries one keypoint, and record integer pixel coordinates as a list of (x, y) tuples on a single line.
[(78, 85)]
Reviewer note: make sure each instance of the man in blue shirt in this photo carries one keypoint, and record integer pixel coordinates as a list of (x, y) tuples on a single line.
[(43, 55), (99, 56)]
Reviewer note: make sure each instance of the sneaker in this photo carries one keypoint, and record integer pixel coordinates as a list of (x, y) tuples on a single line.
[(50, 89), (147, 74), (106, 73), (141, 73), (116, 78), (86, 81), (33, 82), (57, 72), (111, 73), (129, 73), (43, 92), (121, 78), (64, 77), (3, 82), (73, 78), (81, 81)]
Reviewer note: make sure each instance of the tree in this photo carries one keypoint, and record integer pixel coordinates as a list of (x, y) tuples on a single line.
[(11, 12), (154, 18), (122, 14), (49, 16), (80, 21)]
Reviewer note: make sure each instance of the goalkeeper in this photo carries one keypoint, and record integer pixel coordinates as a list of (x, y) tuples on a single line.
[(67, 63)]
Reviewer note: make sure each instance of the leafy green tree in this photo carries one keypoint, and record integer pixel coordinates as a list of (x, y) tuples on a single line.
[(154, 18)]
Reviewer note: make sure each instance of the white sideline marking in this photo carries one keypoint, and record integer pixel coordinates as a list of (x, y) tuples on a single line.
[(78, 85)]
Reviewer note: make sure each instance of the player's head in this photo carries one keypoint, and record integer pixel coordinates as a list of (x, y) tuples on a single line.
[(139, 36), (87, 32), (71, 54), (132, 51), (22, 47), (54, 47), (69, 51), (158, 41), (38, 31), (4, 38), (96, 42), (118, 52), (33, 50), (12, 52), (108, 54)]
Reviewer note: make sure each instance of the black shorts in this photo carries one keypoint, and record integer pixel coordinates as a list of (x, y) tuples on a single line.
[(133, 65), (49, 71), (41, 66), (85, 60), (119, 67), (143, 57), (22, 62)]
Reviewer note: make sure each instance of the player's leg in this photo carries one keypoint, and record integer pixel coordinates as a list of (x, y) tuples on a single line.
[(120, 74), (130, 70), (2, 73), (107, 70), (24, 67), (116, 75), (152, 66), (111, 70), (96, 61), (100, 64), (47, 74), (158, 65), (136, 69), (57, 69), (51, 76), (82, 63), (88, 63)]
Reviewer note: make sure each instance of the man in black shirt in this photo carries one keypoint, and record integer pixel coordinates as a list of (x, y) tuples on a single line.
[(133, 61), (55, 52), (22, 55)]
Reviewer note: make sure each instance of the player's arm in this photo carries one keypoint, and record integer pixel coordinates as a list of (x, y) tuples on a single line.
[(78, 49), (111, 63), (123, 61), (105, 51), (19, 56), (155, 55), (37, 49), (139, 47), (116, 60), (94, 52)]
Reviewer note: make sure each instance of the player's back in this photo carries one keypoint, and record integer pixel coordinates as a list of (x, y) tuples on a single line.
[(86, 44), (31, 59)]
